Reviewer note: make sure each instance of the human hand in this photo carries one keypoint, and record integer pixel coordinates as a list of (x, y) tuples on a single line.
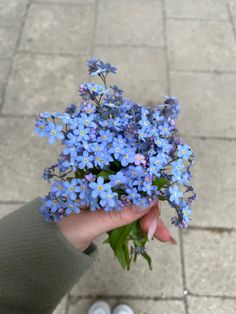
[(81, 229)]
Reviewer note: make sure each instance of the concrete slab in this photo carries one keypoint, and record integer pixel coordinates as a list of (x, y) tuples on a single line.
[(23, 156), (210, 260), (12, 12), (122, 22), (44, 83), (206, 100), (141, 71), (211, 305), (201, 45), (201, 9), (59, 29)]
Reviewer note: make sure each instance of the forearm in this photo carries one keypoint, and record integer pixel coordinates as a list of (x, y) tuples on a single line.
[(37, 264)]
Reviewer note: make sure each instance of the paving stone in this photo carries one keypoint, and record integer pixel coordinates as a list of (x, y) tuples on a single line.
[(139, 306), (214, 180), (206, 101), (23, 156), (64, 1), (6, 209), (106, 278), (141, 71), (58, 29), (61, 308), (211, 306), (12, 12), (205, 9), (210, 259), (201, 45), (44, 83), (232, 7), (8, 39), (133, 22), (4, 68)]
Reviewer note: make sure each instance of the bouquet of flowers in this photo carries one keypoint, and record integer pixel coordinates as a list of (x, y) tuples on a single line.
[(115, 153)]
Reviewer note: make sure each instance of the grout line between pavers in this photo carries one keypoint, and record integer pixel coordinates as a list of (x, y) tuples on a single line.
[(222, 297), (212, 229), (62, 3), (203, 71), (129, 46), (185, 291), (231, 20), (166, 48), (11, 203), (196, 19), (73, 299), (13, 56), (207, 137)]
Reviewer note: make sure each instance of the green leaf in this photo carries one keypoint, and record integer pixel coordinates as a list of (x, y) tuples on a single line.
[(160, 182), (120, 254), (79, 174), (127, 256), (105, 174), (148, 259), (119, 236), (117, 163)]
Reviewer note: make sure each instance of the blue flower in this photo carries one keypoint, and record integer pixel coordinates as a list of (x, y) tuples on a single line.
[(108, 200), (186, 212), (72, 207), (177, 167), (105, 137), (133, 194), (40, 126), (54, 132), (96, 89), (81, 133), (85, 161), (175, 194), (117, 148), (71, 188), (158, 162), (127, 158), (117, 179), (97, 67), (87, 120), (184, 151), (82, 189), (57, 187), (99, 188), (165, 129), (53, 203)]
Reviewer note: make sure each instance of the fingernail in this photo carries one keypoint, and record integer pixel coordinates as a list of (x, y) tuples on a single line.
[(152, 228), (172, 241)]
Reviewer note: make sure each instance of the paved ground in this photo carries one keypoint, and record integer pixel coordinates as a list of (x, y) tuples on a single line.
[(185, 48)]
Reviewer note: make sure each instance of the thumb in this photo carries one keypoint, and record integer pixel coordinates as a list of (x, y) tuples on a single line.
[(81, 229)]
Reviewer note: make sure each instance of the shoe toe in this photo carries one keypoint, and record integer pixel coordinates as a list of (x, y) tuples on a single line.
[(99, 307), (123, 309)]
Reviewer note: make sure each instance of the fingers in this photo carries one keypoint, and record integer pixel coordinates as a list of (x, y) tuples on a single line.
[(129, 214), (150, 221)]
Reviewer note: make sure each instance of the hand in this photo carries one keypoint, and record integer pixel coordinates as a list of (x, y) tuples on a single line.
[(81, 229)]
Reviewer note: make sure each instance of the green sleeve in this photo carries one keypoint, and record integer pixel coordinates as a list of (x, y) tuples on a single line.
[(38, 266)]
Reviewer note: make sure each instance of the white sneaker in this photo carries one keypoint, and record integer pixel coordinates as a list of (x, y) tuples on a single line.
[(100, 307), (123, 309)]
